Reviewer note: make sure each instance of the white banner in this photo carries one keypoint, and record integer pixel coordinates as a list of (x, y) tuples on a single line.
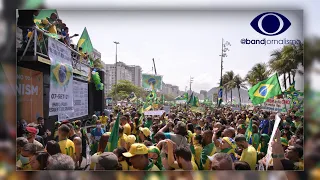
[(154, 113), (275, 104), (61, 77), (80, 101)]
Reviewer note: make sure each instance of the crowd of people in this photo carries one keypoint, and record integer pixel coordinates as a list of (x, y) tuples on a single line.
[(216, 139)]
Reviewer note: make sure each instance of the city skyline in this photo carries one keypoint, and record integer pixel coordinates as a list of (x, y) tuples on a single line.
[(183, 44)]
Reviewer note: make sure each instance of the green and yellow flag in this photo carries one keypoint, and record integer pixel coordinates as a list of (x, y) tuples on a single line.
[(85, 42), (152, 96), (249, 131), (264, 90), (114, 136), (44, 14)]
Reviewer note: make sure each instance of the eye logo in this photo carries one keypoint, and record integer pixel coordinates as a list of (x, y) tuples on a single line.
[(270, 23)]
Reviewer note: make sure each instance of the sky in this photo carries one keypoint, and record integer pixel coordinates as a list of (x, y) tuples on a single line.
[(183, 43)]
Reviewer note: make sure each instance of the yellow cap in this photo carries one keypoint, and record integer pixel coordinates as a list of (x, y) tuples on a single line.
[(145, 131), (136, 149), (131, 139)]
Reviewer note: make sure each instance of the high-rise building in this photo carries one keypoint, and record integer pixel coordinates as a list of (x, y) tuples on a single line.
[(124, 72)]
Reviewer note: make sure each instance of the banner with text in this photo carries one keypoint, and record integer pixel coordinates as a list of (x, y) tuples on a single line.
[(80, 101), (30, 94), (61, 77), (276, 104)]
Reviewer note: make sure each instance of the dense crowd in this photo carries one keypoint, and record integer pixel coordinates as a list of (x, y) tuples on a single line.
[(216, 139)]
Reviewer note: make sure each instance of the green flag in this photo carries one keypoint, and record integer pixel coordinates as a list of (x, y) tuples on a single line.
[(85, 42), (249, 131), (162, 99), (264, 90), (191, 99), (185, 96), (114, 136), (44, 14), (33, 4), (152, 96)]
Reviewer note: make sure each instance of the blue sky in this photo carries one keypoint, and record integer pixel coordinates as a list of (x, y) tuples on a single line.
[(184, 44)]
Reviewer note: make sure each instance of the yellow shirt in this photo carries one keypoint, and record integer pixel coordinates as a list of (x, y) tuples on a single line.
[(103, 119), (198, 150), (124, 165), (24, 167), (194, 165), (123, 137), (127, 129), (249, 155), (67, 147)]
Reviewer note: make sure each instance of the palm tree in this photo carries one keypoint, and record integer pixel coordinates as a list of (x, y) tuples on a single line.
[(230, 84), (258, 73), (239, 83), (224, 84), (277, 64)]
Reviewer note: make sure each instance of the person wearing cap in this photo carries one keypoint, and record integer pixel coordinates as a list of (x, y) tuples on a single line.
[(144, 134), (249, 153), (154, 155), (31, 133), (131, 139), (209, 149), (228, 146), (284, 143), (138, 155), (106, 161), (126, 126)]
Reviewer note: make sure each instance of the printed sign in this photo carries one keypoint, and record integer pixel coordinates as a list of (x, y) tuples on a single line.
[(30, 94), (61, 77), (154, 113), (150, 82), (80, 101), (276, 104)]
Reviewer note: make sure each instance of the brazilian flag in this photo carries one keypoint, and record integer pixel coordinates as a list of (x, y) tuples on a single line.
[(264, 90), (152, 96), (185, 96), (249, 131), (61, 73), (85, 42)]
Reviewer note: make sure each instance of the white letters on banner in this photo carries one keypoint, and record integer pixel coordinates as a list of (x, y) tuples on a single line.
[(275, 104), (80, 101), (61, 77)]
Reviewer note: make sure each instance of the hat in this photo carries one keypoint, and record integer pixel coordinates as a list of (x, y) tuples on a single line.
[(154, 149), (130, 139), (136, 149), (230, 141), (145, 131), (31, 130), (108, 160)]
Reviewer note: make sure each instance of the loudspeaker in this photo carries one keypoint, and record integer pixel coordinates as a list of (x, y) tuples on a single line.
[(96, 97)]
